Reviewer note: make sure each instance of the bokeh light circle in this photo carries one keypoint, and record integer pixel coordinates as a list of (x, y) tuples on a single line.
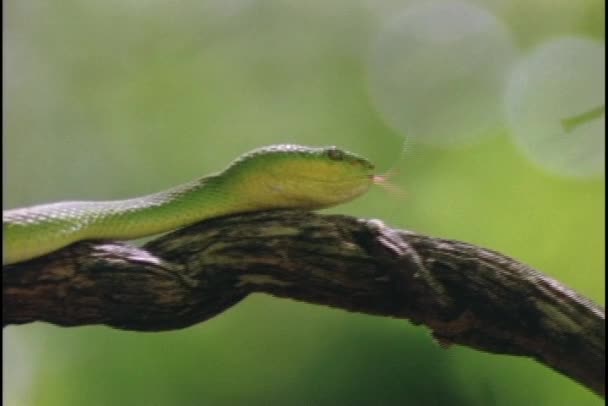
[(437, 73), (555, 107)]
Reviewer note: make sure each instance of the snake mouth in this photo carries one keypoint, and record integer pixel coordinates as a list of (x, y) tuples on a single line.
[(337, 181)]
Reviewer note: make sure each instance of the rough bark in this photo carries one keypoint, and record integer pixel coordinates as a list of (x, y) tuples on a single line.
[(465, 294)]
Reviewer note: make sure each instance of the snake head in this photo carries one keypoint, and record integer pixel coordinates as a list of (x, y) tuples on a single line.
[(295, 176)]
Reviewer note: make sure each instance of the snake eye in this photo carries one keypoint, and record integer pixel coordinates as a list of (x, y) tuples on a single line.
[(335, 154)]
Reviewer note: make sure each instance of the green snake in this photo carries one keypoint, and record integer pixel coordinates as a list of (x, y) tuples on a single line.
[(274, 177)]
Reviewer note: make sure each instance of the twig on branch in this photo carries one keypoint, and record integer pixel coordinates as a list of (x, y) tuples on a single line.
[(465, 294)]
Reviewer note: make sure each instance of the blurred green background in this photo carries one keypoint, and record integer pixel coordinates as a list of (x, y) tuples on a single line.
[(121, 98)]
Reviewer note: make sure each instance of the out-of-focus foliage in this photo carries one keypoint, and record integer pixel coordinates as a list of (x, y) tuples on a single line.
[(111, 99)]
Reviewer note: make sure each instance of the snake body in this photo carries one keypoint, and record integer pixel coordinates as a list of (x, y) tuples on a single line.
[(279, 176)]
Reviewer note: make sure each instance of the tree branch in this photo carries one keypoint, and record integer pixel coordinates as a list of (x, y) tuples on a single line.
[(465, 294)]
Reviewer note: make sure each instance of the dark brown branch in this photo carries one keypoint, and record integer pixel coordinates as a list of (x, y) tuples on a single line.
[(465, 294)]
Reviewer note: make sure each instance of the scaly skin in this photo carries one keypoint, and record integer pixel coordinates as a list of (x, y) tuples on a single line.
[(275, 177)]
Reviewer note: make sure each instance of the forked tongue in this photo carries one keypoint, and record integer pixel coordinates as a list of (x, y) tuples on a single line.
[(384, 180)]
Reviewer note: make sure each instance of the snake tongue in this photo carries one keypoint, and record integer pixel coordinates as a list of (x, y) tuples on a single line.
[(384, 182)]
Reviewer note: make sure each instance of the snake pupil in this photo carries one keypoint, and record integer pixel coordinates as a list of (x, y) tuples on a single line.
[(335, 154)]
